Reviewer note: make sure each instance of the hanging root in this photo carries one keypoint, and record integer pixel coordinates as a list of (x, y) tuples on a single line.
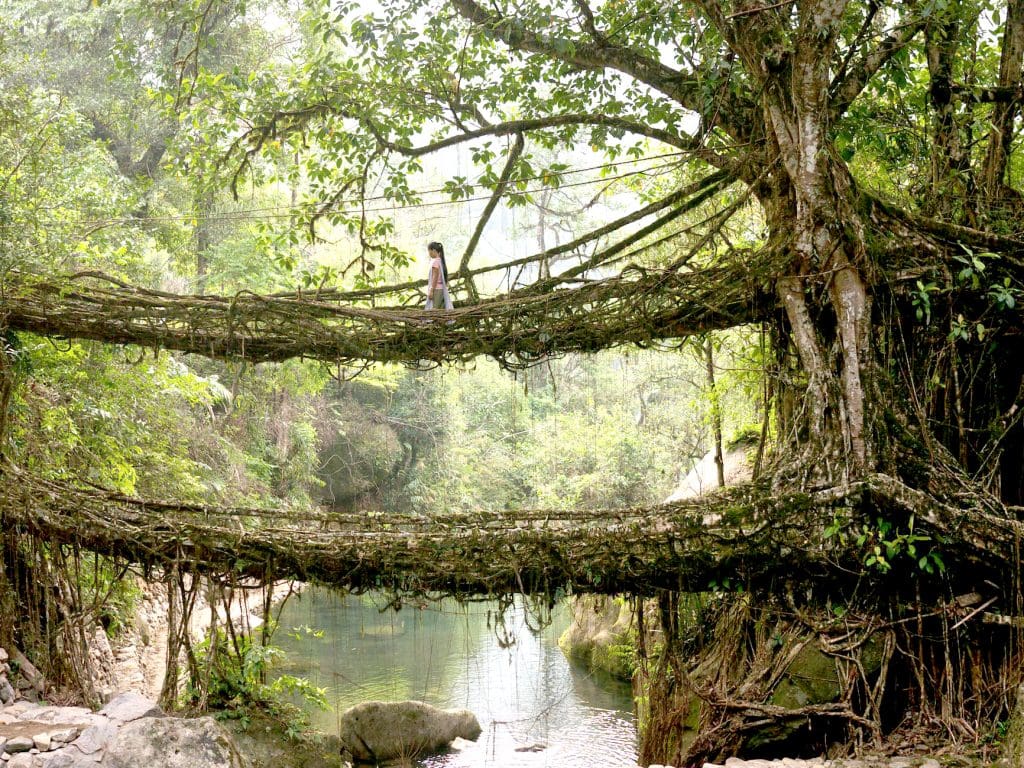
[(722, 677)]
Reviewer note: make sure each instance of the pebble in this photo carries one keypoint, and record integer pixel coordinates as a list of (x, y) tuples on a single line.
[(19, 744)]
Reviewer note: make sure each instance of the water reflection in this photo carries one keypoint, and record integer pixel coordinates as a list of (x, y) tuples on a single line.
[(534, 707)]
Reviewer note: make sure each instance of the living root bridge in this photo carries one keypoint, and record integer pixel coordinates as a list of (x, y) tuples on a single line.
[(746, 532), (517, 329)]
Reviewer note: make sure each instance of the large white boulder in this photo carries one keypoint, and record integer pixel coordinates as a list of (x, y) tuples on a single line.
[(375, 730), (704, 475), (171, 742)]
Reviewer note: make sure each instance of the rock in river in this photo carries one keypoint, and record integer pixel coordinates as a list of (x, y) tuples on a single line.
[(377, 730)]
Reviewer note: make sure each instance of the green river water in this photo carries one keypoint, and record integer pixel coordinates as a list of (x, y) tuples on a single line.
[(525, 693)]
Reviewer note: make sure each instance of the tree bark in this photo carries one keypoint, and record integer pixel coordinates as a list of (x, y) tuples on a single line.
[(953, 185), (1001, 132), (202, 237), (817, 206), (716, 412)]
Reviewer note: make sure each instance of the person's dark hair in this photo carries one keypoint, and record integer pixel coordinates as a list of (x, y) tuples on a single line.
[(436, 246)]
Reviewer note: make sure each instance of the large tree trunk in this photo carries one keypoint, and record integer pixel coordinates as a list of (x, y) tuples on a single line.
[(854, 415), (814, 206)]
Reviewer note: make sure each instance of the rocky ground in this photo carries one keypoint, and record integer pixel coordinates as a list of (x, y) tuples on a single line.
[(131, 731)]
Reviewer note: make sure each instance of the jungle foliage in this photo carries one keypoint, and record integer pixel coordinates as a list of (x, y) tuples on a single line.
[(103, 148), (844, 176)]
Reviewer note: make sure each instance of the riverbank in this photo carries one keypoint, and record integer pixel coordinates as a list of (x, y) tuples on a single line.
[(602, 637), (34, 734), (136, 659), (131, 731)]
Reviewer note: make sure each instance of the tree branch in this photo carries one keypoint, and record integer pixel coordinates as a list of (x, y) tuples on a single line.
[(846, 89), (996, 94), (284, 122), (557, 121), (589, 25), (701, 191), (499, 191), (148, 164), (601, 54)]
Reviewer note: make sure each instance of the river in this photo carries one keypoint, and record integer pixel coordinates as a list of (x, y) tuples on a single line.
[(516, 680)]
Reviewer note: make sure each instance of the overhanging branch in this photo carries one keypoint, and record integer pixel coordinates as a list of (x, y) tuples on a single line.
[(499, 190), (512, 127), (601, 53)]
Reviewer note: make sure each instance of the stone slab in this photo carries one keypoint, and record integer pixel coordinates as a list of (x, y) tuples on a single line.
[(57, 714), (57, 760), (96, 737), (30, 729), (127, 707)]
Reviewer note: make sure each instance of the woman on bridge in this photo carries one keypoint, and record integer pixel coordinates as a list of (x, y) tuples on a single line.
[(437, 279)]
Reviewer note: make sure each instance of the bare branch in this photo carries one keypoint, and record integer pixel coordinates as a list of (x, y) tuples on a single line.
[(499, 191)]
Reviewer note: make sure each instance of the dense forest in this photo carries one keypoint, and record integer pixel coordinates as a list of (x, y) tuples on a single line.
[(213, 227)]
